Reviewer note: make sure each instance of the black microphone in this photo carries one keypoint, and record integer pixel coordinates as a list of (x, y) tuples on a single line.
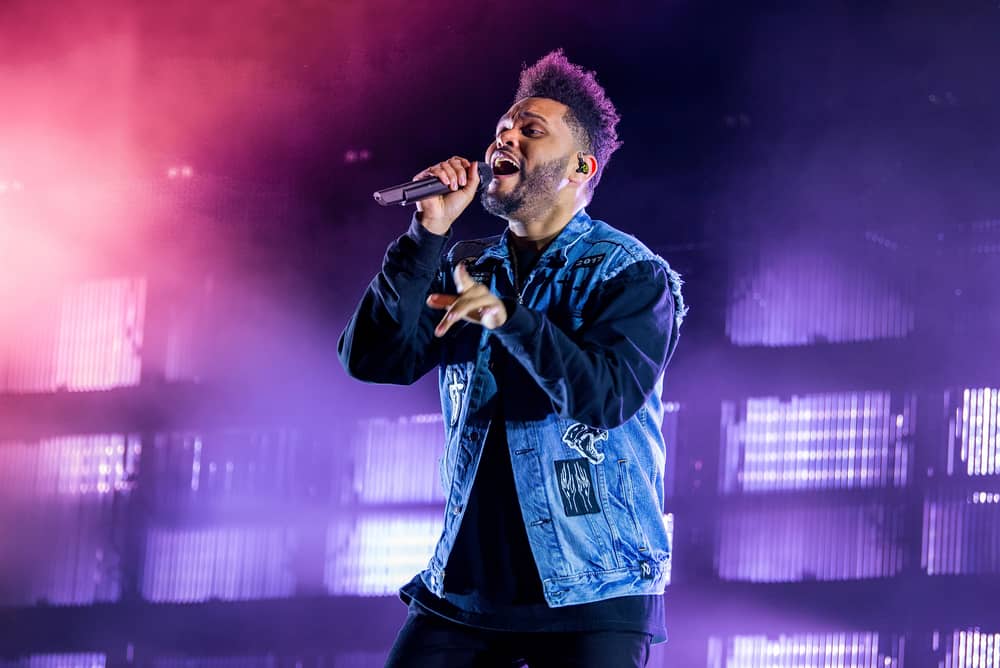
[(411, 191)]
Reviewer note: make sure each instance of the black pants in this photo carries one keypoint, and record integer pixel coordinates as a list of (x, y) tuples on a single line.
[(429, 641)]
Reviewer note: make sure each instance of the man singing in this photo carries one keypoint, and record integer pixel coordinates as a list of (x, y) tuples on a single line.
[(551, 341)]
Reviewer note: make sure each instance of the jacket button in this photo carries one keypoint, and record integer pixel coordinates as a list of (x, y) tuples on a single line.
[(457, 510)]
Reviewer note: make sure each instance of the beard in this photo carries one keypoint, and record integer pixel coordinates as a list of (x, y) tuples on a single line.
[(534, 193)]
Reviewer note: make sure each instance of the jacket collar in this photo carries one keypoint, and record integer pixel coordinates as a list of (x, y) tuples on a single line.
[(575, 229)]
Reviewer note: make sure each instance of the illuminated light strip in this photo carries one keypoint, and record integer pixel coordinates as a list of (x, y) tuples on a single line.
[(398, 460), (972, 648), (376, 555), (267, 661), (796, 296), (59, 661), (68, 466), (235, 563), (70, 485), (100, 335), (807, 650), (92, 340), (827, 441), (237, 468), (974, 432), (793, 544), (961, 535)]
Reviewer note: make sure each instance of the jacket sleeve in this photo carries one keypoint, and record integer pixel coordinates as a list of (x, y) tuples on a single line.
[(390, 338), (603, 374)]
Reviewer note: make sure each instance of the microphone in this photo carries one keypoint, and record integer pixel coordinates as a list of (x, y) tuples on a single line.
[(411, 191)]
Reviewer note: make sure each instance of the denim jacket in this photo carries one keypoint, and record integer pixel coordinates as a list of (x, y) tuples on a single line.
[(584, 416)]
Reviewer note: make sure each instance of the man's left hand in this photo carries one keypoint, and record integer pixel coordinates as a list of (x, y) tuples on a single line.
[(473, 303)]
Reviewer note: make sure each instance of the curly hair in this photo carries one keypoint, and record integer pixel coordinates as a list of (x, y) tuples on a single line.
[(591, 117)]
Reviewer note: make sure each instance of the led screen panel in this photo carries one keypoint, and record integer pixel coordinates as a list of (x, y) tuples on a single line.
[(398, 460), (846, 440), (794, 294), (81, 660), (764, 540), (376, 554), (807, 650), (233, 469), (226, 563), (88, 338), (64, 499), (973, 431), (969, 648), (961, 533)]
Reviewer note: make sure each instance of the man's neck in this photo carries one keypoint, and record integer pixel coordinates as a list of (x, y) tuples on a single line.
[(539, 232)]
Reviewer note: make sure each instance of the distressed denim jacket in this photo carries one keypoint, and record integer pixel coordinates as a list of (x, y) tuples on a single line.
[(588, 460)]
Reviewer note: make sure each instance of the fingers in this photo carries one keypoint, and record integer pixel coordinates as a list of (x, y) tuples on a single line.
[(483, 308), (492, 317), (472, 174), (438, 300), (473, 303), (463, 281), (453, 172)]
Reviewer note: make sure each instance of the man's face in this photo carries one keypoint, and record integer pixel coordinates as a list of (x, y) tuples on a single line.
[(530, 158)]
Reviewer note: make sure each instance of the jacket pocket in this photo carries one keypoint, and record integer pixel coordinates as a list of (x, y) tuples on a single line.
[(627, 494)]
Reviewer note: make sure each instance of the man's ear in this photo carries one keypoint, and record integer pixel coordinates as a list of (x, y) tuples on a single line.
[(586, 167)]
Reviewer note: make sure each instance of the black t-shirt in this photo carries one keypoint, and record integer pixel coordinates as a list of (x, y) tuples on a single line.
[(491, 580)]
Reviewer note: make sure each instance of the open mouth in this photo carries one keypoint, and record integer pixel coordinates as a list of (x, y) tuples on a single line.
[(504, 166)]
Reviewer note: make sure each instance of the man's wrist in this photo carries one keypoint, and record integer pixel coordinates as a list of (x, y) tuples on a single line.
[(436, 227), (426, 247)]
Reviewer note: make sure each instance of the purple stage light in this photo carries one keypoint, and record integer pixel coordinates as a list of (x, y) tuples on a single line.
[(825, 441), (68, 466), (237, 661), (375, 555), (961, 534), (398, 460), (228, 563), (794, 294), (58, 661), (971, 648), (806, 650), (241, 469), (812, 539), (58, 496), (974, 431)]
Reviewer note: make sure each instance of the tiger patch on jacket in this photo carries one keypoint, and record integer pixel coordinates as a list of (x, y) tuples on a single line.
[(584, 440)]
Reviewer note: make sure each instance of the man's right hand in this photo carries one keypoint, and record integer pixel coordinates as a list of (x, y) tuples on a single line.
[(438, 213)]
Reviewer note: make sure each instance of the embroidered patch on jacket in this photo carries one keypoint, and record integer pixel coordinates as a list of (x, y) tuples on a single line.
[(584, 440), (645, 570), (588, 261), (456, 386), (576, 487)]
